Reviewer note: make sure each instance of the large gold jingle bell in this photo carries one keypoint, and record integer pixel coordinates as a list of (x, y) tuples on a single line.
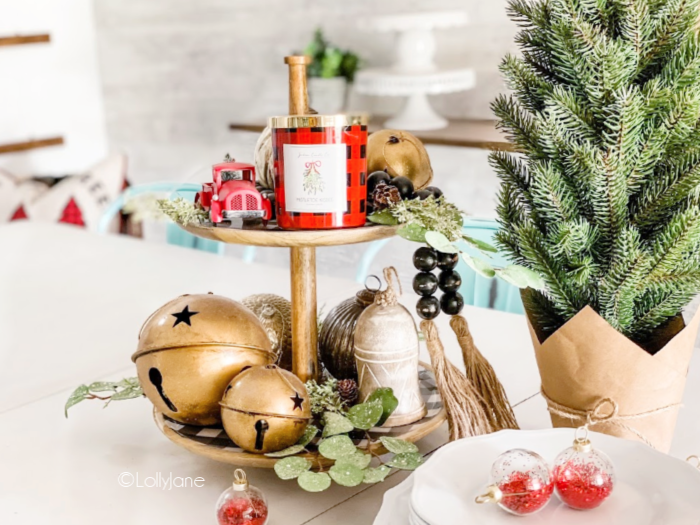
[(191, 348), (265, 409)]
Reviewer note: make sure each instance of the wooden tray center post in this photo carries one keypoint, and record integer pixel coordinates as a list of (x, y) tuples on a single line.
[(302, 259), (304, 323)]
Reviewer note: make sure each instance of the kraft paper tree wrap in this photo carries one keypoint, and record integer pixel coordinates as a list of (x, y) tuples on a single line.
[(593, 374), (604, 198)]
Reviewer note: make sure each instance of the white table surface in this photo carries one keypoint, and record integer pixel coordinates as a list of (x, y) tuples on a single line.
[(71, 305)]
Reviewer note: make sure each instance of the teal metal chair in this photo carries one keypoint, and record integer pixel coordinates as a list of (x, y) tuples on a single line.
[(476, 290), (174, 234)]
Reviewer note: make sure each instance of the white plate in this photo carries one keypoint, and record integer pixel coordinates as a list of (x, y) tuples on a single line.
[(414, 518), (395, 505), (652, 488)]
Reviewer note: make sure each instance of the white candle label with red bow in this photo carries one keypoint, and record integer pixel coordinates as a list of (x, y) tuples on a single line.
[(315, 178)]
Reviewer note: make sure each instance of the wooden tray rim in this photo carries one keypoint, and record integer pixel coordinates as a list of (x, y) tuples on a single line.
[(292, 238)]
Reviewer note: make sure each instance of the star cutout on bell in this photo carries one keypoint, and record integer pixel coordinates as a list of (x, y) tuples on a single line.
[(184, 317), (298, 400)]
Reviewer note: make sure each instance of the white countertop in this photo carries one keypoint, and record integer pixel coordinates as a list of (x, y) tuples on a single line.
[(71, 305)]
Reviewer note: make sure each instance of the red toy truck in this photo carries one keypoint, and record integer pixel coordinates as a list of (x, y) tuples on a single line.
[(233, 195)]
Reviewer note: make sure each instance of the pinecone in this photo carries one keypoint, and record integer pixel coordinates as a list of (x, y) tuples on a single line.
[(384, 196), (347, 388)]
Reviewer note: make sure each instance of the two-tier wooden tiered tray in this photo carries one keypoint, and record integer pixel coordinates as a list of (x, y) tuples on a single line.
[(213, 442)]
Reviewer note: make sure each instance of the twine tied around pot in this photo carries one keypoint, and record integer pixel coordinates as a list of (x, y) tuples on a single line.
[(598, 416), (694, 461), (389, 297)]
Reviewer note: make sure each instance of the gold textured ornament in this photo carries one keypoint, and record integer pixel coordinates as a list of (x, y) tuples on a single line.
[(265, 409), (399, 153), (386, 353), (275, 314), (264, 161), (191, 348)]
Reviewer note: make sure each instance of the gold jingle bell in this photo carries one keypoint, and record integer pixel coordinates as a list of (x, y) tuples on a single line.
[(399, 153), (191, 348), (265, 409)]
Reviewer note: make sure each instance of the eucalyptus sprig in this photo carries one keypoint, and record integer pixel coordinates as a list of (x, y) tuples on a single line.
[(353, 464), (439, 224), (128, 388)]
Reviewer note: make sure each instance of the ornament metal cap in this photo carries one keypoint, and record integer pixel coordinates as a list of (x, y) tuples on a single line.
[(240, 481), (492, 495), (581, 441)]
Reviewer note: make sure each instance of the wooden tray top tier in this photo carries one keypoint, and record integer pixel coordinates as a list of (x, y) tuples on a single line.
[(292, 238)]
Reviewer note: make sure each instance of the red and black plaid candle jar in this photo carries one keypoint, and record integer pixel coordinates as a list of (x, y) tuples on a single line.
[(320, 171)]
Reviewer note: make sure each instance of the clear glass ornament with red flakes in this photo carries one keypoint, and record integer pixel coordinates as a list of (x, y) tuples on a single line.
[(521, 483), (584, 477), (242, 504)]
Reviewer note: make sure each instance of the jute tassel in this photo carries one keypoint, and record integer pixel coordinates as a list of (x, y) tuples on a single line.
[(482, 375), (465, 414)]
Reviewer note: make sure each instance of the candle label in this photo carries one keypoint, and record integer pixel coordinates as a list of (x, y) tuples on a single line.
[(314, 178)]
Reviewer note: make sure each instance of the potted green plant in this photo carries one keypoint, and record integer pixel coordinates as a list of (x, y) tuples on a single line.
[(329, 74), (603, 201)]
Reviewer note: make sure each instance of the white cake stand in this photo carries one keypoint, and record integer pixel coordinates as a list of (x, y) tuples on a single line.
[(415, 75)]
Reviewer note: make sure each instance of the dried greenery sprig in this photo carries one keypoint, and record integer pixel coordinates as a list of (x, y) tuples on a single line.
[(183, 211), (325, 397)]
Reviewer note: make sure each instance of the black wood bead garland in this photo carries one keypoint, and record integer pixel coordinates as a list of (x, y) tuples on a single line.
[(425, 283)]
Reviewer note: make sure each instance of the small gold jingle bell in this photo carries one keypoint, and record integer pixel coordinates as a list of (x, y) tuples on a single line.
[(265, 409), (191, 348)]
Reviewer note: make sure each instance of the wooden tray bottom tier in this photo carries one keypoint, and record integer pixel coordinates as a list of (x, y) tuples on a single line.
[(212, 442)]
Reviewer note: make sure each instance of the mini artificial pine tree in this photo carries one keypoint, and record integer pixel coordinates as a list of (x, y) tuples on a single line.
[(603, 199)]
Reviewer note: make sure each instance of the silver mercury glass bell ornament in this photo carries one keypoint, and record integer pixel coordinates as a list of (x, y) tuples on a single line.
[(386, 353)]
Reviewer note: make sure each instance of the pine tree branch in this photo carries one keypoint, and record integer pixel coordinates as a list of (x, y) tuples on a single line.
[(670, 22), (659, 198), (528, 86), (535, 253), (520, 126)]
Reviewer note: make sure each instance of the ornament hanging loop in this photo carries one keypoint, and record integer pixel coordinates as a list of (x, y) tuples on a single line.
[(581, 441), (370, 280), (240, 481), (492, 495), (694, 461)]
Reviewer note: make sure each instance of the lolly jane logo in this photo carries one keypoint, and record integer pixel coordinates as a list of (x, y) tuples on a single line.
[(313, 180), (158, 481)]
